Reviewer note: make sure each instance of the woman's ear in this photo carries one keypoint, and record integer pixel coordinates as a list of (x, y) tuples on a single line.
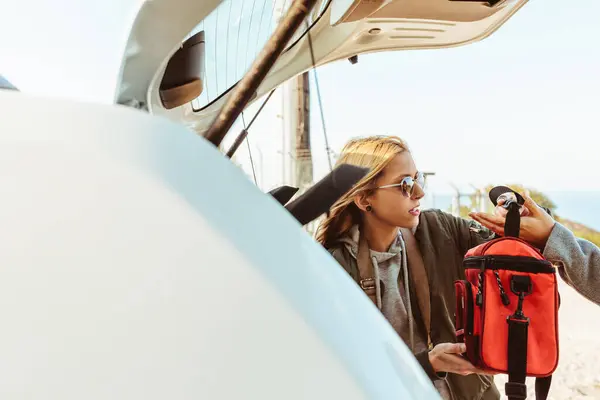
[(362, 201)]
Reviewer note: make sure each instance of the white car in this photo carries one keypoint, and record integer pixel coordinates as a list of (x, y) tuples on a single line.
[(137, 262)]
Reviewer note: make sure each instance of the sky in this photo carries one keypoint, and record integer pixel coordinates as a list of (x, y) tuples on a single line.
[(64, 48), (520, 106)]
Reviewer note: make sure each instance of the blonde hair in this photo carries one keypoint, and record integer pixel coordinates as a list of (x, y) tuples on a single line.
[(373, 152)]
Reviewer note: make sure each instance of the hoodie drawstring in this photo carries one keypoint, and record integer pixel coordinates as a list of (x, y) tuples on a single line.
[(377, 282), (407, 291)]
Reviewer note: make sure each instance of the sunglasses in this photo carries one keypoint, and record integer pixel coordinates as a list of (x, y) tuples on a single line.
[(407, 185)]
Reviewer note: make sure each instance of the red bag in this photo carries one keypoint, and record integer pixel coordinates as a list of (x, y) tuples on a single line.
[(507, 310)]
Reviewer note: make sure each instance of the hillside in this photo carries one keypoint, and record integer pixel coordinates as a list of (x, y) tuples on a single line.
[(581, 230)]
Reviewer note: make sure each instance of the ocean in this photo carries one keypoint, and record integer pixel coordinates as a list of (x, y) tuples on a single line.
[(582, 207)]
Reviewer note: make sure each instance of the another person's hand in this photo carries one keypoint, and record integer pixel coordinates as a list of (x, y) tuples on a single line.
[(446, 357), (536, 225)]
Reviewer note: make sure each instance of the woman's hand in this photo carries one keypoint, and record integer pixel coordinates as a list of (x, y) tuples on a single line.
[(536, 225), (446, 357)]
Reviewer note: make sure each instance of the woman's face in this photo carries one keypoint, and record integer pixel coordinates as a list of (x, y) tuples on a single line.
[(389, 204)]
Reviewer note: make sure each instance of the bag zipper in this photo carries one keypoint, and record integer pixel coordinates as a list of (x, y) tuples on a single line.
[(492, 242), (515, 263)]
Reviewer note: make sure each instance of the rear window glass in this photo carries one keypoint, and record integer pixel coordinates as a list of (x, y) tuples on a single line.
[(235, 32)]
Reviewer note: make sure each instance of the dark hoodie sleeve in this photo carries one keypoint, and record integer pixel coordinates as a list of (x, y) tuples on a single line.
[(423, 359), (345, 261), (467, 233)]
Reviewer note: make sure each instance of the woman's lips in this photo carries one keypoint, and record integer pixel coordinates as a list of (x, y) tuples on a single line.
[(415, 211)]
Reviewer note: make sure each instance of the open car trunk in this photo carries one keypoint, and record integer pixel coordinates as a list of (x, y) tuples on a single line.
[(235, 31)]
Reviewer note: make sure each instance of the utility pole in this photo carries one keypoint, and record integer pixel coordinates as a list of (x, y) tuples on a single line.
[(427, 175), (479, 196), (428, 195), (300, 146), (456, 200), (300, 98)]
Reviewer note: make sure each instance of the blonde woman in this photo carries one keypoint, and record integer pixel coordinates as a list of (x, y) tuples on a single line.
[(381, 213)]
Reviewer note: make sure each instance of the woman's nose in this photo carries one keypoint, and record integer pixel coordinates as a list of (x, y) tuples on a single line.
[(418, 192)]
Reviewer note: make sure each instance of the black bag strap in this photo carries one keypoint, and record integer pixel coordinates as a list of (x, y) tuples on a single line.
[(542, 387), (516, 389), (512, 226), (518, 329), (513, 218)]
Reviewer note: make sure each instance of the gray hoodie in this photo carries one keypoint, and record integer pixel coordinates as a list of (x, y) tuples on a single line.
[(578, 261), (391, 271)]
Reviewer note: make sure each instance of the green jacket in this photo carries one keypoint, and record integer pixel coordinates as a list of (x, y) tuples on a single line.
[(443, 240)]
